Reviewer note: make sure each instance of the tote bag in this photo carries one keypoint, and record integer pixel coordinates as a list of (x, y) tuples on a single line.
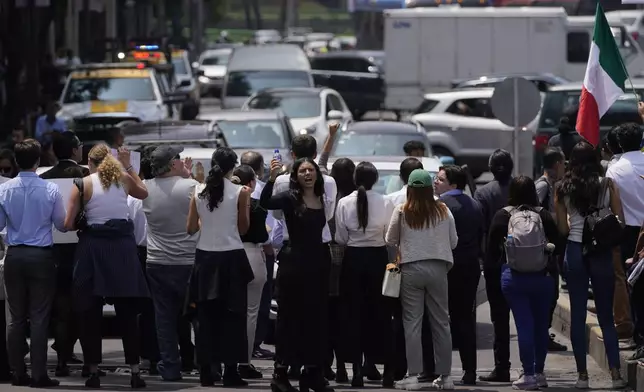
[(391, 281)]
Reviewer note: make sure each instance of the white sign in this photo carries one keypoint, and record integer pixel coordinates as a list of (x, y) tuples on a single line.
[(135, 160), (632, 1), (65, 185)]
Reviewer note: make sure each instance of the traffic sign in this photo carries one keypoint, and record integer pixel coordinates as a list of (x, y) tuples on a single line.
[(516, 102)]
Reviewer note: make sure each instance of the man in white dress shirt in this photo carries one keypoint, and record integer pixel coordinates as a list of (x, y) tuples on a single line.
[(406, 167)]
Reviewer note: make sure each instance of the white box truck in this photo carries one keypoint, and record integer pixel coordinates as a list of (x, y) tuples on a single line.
[(427, 48)]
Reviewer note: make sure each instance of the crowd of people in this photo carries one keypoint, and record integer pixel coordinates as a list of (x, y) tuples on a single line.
[(175, 252)]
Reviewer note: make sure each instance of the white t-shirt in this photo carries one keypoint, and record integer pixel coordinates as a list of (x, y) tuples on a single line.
[(627, 174)]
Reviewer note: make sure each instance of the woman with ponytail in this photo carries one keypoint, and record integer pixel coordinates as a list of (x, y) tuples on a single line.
[(361, 221), (107, 263), (220, 210)]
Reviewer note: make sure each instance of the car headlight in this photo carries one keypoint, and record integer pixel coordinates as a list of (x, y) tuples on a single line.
[(203, 79)]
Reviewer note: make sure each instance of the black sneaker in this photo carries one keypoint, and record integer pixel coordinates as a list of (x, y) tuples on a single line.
[(262, 353), (371, 373), (136, 381), (22, 380), (341, 376), (469, 378), (94, 381), (44, 382), (249, 372), (234, 381), (497, 376), (62, 370), (553, 346), (638, 354)]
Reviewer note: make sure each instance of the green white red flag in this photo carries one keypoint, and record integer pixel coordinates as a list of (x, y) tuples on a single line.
[(604, 80)]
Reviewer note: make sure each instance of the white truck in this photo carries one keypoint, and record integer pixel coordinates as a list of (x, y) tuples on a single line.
[(426, 48)]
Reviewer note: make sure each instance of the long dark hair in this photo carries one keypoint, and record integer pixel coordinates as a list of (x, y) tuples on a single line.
[(296, 189), (581, 181), (11, 157), (366, 176), (243, 175), (342, 172), (223, 161)]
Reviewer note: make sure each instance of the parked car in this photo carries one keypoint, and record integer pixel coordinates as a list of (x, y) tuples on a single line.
[(263, 131), (356, 75), (254, 68), (309, 109), (461, 124), (542, 81), (212, 66), (561, 97)]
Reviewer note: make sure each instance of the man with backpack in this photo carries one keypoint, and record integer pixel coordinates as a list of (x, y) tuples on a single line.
[(554, 166)]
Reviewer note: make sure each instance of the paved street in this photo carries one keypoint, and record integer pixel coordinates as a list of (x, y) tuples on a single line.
[(560, 368)]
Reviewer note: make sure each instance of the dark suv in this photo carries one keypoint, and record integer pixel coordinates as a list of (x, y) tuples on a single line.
[(357, 75), (561, 97)]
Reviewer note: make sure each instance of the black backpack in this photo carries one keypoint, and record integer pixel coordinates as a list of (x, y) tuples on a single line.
[(602, 229)]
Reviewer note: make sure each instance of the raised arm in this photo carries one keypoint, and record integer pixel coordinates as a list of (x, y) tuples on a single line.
[(267, 200), (328, 146)]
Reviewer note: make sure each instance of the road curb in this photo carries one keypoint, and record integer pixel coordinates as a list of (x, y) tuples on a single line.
[(632, 371)]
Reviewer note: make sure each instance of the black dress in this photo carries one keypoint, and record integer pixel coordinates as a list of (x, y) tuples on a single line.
[(303, 281)]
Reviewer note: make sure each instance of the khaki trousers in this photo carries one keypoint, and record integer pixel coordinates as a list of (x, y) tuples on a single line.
[(621, 301)]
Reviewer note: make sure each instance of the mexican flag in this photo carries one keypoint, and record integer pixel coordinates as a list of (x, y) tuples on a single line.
[(604, 80)]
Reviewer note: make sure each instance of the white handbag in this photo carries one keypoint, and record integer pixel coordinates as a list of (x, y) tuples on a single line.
[(391, 281)]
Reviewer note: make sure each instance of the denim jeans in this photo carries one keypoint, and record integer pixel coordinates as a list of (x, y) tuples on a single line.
[(599, 268), (529, 296), (168, 285)]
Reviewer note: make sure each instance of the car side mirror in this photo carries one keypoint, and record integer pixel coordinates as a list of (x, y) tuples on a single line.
[(184, 83), (335, 115)]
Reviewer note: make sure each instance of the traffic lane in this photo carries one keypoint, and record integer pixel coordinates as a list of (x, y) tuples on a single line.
[(560, 367)]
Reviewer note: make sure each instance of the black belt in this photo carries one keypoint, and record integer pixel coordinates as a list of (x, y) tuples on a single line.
[(31, 247)]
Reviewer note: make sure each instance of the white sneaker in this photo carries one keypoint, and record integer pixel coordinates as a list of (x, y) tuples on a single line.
[(619, 383), (409, 383), (443, 383), (582, 384), (541, 380), (526, 383)]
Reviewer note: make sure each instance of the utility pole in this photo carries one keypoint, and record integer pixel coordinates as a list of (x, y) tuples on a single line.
[(290, 15), (87, 31), (197, 25)]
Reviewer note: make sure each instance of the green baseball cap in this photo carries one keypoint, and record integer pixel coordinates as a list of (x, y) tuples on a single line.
[(420, 178)]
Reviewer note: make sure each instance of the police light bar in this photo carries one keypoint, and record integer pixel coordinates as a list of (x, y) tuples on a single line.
[(146, 47)]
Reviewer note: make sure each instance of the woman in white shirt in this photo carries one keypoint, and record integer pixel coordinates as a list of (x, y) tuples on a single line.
[(425, 233), (220, 210), (107, 263), (361, 220)]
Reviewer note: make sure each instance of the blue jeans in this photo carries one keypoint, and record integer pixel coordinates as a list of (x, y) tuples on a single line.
[(168, 285), (529, 296), (599, 268)]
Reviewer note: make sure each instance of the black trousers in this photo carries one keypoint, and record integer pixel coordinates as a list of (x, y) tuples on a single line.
[(147, 327), (65, 322), (463, 280), (500, 315), (127, 311), (556, 276), (4, 357)]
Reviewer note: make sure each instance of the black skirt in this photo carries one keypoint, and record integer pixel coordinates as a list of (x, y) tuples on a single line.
[(107, 264), (366, 315), (302, 320), (218, 287)]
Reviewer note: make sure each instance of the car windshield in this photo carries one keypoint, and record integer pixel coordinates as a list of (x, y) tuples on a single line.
[(109, 89), (180, 67), (246, 83), (373, 144), (294, 106), (389, 181), (557, 102), (254, 134), (221, 59)]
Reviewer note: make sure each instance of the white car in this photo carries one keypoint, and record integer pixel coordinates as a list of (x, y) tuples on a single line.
[(308, 109), (461, 124), (212, 66)]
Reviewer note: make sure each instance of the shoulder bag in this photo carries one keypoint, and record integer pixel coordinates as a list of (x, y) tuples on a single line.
[(602, 229), (81, 221), (391, 281)]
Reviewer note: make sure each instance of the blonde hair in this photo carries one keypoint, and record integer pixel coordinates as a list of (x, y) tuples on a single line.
[(108, 168)]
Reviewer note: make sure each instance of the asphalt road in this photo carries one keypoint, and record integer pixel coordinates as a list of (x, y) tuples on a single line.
[(560, 368)]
